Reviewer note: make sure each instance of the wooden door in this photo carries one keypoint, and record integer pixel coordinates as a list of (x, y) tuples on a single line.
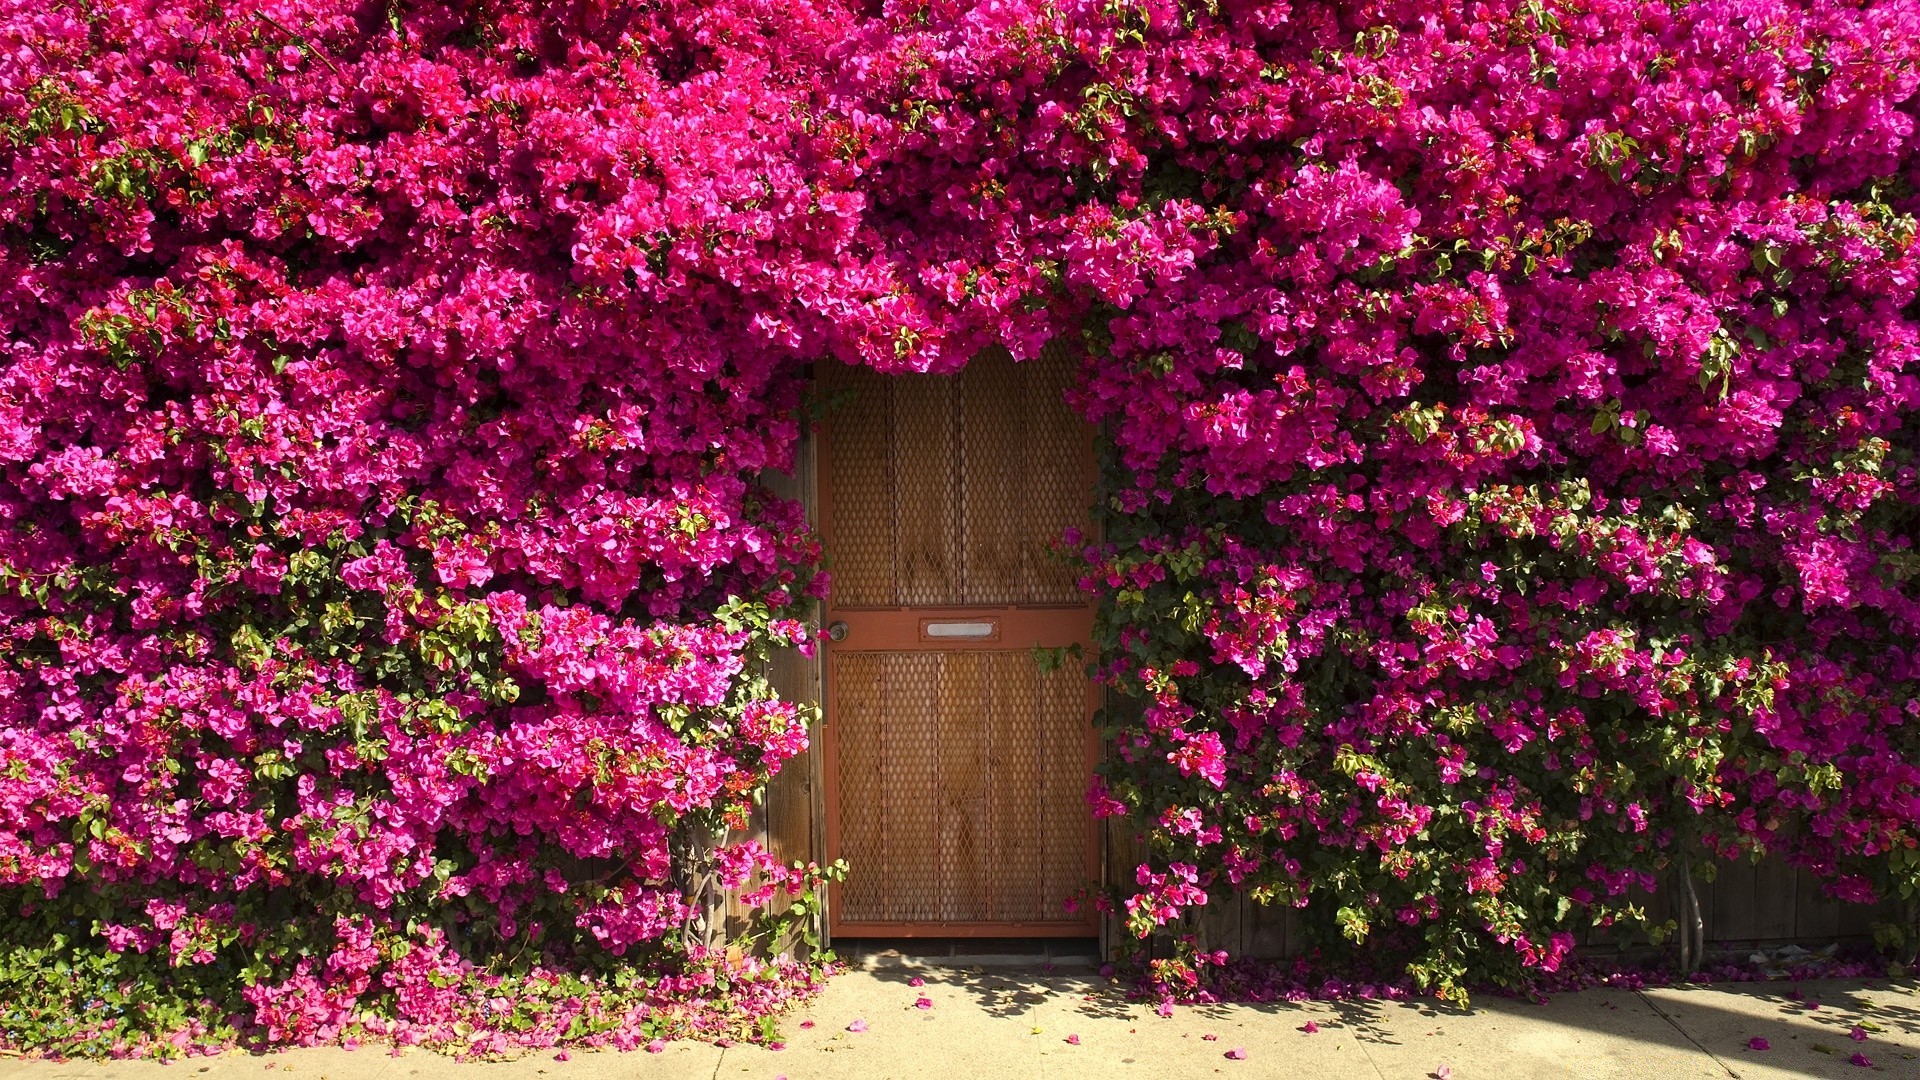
[(956, 762)]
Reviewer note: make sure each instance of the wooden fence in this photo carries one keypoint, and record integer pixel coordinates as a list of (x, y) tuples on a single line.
[(1748, 906)]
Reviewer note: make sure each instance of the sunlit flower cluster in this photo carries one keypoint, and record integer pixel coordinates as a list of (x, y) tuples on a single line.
[(1512, 411)]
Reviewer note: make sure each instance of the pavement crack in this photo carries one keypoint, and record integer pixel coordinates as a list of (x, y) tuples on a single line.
[(1687, 1035), (1372, 1064), (1362, 1028)]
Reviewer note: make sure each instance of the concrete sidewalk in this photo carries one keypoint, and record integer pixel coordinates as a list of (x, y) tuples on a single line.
[(1018, 1022)]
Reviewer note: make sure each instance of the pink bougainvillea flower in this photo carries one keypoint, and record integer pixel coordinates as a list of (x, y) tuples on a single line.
[(1861, 1060), (857, 1026), (806, 1023), (1759, 1042), (1238, 1053), (657, 1046), (916, 981), (1858, 1034), (1166, 1007), (1073, 1040), (1442, 1072), (563, 1056), (1520, 394), (923, 1002), (1310, 1027)]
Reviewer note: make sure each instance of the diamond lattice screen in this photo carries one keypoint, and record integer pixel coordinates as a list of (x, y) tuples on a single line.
[(961, 777), (951, 489)]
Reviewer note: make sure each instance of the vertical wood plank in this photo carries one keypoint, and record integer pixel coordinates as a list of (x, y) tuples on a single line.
[(915, 684), (967, 874), (1218, 923), (1055, 497), (861, 746), (1856, 920), (1816, 917), (790, 794), (1121, 860), (926, 502), (861, 451), (992, 467), (1018, 758), (795, 805), (1708, 892), (1268, 932), (1733, 916), (1062, 807), (1774, 905)]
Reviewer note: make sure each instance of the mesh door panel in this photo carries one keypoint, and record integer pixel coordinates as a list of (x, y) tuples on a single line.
[(961, 794), (860, 487), (993, 521), (926, 491), (948, 490), (1055, 499)]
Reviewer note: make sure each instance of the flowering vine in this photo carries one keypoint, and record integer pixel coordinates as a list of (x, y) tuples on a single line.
[(1510, 484)]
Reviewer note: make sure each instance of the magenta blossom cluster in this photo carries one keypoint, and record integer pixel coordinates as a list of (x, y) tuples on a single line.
[(1510, 488), (382, 551)]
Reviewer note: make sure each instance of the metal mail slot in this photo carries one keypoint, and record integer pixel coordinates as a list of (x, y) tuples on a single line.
[(973, 631)]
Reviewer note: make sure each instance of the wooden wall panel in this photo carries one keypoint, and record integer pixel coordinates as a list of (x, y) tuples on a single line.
[(1272, 932), (789, 822), (1748, 906), (1815, 917)]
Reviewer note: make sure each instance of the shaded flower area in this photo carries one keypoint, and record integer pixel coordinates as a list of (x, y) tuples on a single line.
[(1510, 414)]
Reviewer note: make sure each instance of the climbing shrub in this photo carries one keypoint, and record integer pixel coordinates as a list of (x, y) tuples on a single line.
[(384, 576), (1510, 484)]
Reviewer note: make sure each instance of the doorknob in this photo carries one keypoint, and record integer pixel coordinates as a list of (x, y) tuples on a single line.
[(836, 631)]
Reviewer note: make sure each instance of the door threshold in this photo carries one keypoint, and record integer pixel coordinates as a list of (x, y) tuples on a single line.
[(872, 954)]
